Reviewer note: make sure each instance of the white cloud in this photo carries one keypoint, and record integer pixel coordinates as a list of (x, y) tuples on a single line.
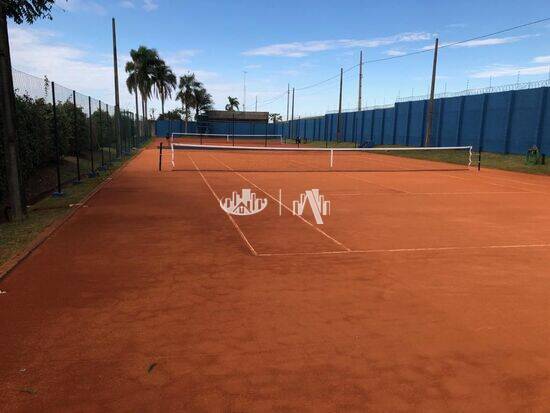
[(481, 42), (87, 6), (179, 57), (150, 5), (509, 70), (456, 25), (42, 53), (393, 52), (300, 49), (127, 4), (253, 66), (541, 59)]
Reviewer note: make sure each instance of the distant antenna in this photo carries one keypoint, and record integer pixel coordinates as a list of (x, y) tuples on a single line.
[(360, 78), (287, 100), (432, 94), (340, 106)]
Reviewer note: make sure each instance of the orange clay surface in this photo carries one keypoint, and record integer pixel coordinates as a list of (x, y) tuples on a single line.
[(422, 291)]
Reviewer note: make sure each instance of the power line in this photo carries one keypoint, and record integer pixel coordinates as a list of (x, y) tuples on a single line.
[(484, 36)]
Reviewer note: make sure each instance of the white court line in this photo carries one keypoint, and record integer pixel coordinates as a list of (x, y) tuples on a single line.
[(428, 193), (392, 250), (282, 205), (241, 233), (486, 181)]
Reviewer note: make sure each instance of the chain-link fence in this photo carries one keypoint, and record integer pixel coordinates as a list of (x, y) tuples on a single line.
[(64, 136)]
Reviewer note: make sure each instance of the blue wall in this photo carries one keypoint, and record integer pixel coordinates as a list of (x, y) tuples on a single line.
[(505, 122), (164, 127)]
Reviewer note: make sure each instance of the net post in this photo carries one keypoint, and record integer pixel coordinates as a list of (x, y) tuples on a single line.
[(160, 157), (479, 160), (331, 157)]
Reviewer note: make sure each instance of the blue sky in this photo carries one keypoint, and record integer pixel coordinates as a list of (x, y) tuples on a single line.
[(297, 42)]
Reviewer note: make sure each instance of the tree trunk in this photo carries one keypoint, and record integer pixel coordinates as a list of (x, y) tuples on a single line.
[(7, 117), (186, 112), (137, 113), (146, 118), (162, 100), (143, 125)]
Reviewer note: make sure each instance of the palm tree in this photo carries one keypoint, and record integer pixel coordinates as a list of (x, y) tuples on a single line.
[(164, 81), (275, 117), (203, 100), (188, 83), (140, 71), (132, 85), (233, 104)]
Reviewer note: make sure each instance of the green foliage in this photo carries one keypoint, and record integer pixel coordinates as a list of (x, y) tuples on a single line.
[(233, 104), (175, 114), (35, 135), (27, 10)]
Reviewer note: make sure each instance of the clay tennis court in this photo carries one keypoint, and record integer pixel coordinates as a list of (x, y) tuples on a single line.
[(425, 289)]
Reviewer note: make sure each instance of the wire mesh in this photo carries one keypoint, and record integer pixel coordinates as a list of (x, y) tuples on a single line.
[(61, 140)]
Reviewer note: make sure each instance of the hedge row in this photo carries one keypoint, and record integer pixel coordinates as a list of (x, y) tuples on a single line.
[(35, 133)]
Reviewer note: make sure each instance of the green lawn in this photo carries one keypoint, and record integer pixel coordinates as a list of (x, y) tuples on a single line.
[(515, 163), (14, 236), (330, 144)]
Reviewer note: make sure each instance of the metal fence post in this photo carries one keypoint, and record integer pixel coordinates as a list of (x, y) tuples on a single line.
[(76, 144), (56, 143), (92, 170), (100, 137)]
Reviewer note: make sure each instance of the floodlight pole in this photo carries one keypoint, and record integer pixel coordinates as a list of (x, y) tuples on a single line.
[(360, 79), (117, 98), (244, 91), (339, 106), (432, 94), (292, 119)]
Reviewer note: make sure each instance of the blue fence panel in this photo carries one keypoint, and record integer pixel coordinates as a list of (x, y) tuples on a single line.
[(471, 120), (402, 123), (544, 122), (378, 125), (449, 122), (524, 120), (388, 126), (416, 123), (496, 122)]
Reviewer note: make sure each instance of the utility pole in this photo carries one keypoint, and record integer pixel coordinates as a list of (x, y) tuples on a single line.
[(244, 91), (288, 96), (292, 119), (339, 106), (360, 78), (432, 94), (117, 98)]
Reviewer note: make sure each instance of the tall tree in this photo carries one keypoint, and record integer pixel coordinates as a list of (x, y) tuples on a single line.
[(164, 81), (203, 101), (233, 104), (275, 117), (187, 84), (144, 61), (19, 11), (132, 85)]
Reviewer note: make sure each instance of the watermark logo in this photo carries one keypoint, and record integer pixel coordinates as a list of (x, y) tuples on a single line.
[(319, 206), (245, 203)]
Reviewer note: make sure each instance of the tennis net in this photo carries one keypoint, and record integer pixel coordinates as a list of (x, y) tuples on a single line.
[(310, 159), (226, 139)]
